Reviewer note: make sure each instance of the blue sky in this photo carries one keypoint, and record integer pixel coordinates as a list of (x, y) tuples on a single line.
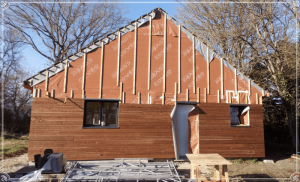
[(137, 8)]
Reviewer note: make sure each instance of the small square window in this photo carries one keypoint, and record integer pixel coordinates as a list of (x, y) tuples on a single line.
[(101, 114), (239, 115)]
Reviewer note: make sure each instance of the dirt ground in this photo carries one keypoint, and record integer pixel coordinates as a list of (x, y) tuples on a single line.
[(281, 170)]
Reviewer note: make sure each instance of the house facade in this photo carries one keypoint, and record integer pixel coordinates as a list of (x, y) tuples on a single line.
[(150, 90)]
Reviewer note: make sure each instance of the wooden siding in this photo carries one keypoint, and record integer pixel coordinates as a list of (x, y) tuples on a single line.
[(145, 131), (217, 136)]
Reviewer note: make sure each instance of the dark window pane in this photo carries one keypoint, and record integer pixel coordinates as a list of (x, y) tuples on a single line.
[(234, 112), (93, 110), (110, 112)]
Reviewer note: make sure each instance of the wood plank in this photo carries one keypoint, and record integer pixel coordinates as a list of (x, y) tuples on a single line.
[(149, 55)]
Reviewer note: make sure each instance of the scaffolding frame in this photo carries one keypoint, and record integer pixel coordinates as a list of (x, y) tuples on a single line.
[(105, 171)]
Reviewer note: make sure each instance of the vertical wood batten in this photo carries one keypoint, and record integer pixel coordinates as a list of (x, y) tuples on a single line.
[(163, 99), (194, 67), (229, 97), (205, 96), (149, 98), (119, 56), (83, 75), (198, 94), (222, 78), (101, 71), (165, 51), (218, 96), (176, 91), (47, 80), (150, 50), (72, 93), (208, 74), (235, 82), (139, 98), (52, 93), (256, 98), (66, 76), (249, 85), (39, 93), (34, 92), (179, 58), (134, 72), (123, 101), (187, 95), (121, 91)]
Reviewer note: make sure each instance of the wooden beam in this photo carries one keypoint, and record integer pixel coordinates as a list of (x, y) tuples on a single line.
[(83, 94), (238, 97), (66, 76), (222, 77), (179, 58), (123, 101), (121, 92), (194, 67), (249, 85), (165, 52), (139, 98), (101, 70), (150, 50), (256, 98), (149, 98), (208, 74), (205, 96), (72, 94), (198, 94), (163, 98), (176, 92), (134, 61), (52, 93), (39, 93), (83, 72), (187, 95), (235, 83), (34, 92), (47, 80), (218, 96), (119, 58), (229, 98), (246, 98)]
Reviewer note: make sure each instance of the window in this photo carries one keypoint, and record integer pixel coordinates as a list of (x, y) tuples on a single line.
[(101, 114), (239, 115)]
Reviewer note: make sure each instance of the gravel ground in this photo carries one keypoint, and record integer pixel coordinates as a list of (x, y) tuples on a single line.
[(15, 163)]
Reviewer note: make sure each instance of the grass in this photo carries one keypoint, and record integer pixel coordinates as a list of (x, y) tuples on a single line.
[(13, 145)]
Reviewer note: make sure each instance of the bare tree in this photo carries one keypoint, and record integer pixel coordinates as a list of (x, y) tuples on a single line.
[(63, 27), (258, 38), (16, 98)]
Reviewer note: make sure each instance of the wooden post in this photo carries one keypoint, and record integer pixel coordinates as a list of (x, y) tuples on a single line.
[(198, 94), (101, 70), (149, 98), (134, 66), (208, 74), (39, 93), (119, 56), (123, 98), (205, 98), (222, 77), (83, 94), (47, 80), (198, 173), (83, 72), (165, 51), (52, 93), (249, 85), (194, 67), (225, 173), (66, 76), (192, 171), (179, 58), (187, 95), (238, 97), (139, 98), (72, 93), (229, 98), (218, 96), (176, 91), (121, 91), (34, 92), (216, 173), (235, 86), (256, 98), (150, 50), (163, 99), (246, 98)]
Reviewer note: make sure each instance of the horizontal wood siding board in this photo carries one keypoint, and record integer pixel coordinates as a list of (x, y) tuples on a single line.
[(217, 136), (145, 131)]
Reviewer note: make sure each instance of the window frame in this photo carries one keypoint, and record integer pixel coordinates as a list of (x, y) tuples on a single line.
[(112, 126), (241, 105)]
